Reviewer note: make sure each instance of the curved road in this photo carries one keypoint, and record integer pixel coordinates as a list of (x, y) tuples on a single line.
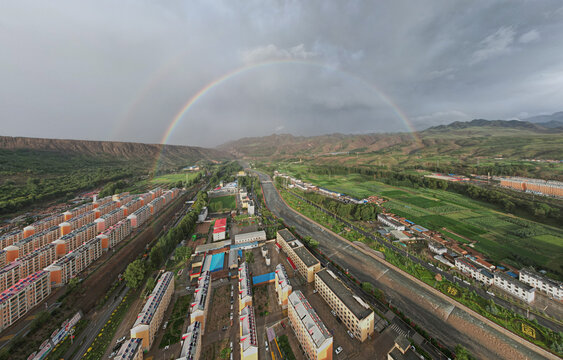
[(449, 323)]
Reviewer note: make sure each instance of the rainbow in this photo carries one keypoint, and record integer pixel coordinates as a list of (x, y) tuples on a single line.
[(234, 73)]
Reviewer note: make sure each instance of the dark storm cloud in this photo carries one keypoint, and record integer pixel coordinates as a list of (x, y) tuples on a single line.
[(123, 70)]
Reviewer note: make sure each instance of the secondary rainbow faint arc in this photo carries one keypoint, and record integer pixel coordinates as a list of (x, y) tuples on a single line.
[(253, 66)]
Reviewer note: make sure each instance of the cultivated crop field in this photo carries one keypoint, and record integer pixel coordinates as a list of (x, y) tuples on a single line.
[(502, 236)]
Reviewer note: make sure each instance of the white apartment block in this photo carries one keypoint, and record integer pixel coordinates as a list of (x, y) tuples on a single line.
[(515, 287), (544, 284)]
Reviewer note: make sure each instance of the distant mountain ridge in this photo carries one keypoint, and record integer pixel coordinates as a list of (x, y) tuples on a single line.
[(170, 154), (549, 121), (513, 138)]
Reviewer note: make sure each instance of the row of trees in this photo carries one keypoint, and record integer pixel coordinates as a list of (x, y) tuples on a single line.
[(135, 272), (508, 202), (351, 211)]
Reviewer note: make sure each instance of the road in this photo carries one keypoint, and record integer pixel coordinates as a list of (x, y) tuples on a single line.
[(480, 291), (86, 338), (450, 323)]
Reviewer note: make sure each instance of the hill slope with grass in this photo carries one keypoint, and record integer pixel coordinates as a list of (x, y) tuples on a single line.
[(36, 171)]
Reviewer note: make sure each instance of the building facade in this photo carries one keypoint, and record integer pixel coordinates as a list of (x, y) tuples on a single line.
[(282, 285), (304, 261), (314, 337), (248, 337), (191, 342), (349, 307), (544, 284), (149, 319), (513, 286)]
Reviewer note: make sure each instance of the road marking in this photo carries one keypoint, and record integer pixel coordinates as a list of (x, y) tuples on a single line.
[(382, 274), (448, 312)]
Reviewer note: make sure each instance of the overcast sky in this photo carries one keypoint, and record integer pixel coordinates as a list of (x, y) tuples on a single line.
[(122, 70)]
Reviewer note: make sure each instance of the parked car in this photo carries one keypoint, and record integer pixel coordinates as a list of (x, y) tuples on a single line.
[(338, 350), (314, 291), (225, 328), (165, 325), (349, 333), (121, 339), (333, 312), (283, 324), (267, 348)]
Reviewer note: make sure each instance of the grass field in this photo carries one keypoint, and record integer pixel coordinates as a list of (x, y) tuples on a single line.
[(171, 179), (222, 203), (501, 236)]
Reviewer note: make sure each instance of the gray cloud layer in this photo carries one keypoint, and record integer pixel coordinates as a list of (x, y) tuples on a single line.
[(122, 70)]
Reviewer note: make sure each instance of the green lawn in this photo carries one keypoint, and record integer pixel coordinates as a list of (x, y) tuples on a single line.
[(501, 236), (172, 179), (222, 203)]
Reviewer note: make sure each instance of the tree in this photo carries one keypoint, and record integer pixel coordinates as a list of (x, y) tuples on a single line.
[(183, 253), (462, 353), (134, 274), (156, 256), (151, 283)]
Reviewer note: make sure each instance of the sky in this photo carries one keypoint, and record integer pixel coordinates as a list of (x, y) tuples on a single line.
[(125, 70)]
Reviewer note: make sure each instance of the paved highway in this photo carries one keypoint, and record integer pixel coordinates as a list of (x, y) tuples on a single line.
[(450, 324)]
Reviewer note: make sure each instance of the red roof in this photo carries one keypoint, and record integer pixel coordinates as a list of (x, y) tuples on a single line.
[(221, 222)]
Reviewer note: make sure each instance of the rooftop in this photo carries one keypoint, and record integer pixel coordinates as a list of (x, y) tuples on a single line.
[(354, 303), (245, 285), (286, 235), (190, 341), (306, 256), (514, 281), (212, 246), (128, 349), (250, 235), (200, 293), (309, 318), (282, 276), (531, 272), (248, 336), (145, 316)]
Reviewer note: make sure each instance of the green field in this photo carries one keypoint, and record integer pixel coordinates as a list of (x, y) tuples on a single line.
[(222, 203), (172, 179), (501, 236)]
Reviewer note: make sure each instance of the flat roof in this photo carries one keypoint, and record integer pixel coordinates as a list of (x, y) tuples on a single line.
[(286, 235), (306, 256), (349, 298)]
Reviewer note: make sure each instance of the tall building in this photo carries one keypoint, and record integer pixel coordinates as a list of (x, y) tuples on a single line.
[(283, 287), (202, 296), (349, 307), (131, 349), (191, 342), (248, 337), (300, 257), (244, 287), (312, 334), (17, 300), (150, 318)]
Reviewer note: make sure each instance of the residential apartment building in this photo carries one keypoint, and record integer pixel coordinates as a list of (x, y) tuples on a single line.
[(150, 318), (302, 259), (250, 237), (354, 312), (513, 286), (551, 287), (202, 296), (248, 337), (191, 342), (132, 349), (244, 287), (388, 220), (282, 285), (314, 337), (437, 248), (17, 300), (478, 273)]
